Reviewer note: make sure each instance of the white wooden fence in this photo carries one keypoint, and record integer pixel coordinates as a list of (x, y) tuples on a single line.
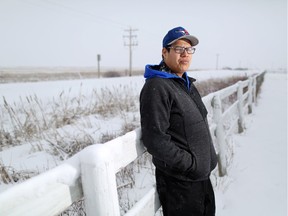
[(91, 172)]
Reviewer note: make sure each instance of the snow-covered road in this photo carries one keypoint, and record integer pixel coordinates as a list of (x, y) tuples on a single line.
[(258, 174)]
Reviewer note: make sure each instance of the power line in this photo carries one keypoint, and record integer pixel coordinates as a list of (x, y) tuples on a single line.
[(92, 15), (131, 44), (72, 9)]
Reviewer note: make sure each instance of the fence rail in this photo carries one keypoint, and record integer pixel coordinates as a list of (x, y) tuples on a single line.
[(91, 172)]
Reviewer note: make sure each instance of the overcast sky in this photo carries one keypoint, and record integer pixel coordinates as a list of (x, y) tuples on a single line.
[(244, 33)]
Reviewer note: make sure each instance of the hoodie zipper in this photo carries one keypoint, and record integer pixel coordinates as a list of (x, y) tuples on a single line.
[(194, 94)]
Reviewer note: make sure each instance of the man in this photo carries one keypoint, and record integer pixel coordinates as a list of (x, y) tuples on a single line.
[(175, 130)]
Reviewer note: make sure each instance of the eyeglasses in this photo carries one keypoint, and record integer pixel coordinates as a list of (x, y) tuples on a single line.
[(180, 50)]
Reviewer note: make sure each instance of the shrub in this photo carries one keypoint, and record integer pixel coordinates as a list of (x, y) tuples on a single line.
[(111, 74)]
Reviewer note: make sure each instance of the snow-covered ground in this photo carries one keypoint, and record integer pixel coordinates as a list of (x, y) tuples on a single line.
[(258, 175)]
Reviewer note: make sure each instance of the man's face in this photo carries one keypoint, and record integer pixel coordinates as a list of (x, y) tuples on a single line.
[(178, 63)]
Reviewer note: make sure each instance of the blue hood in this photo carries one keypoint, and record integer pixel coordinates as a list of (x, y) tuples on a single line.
[(152, 71)]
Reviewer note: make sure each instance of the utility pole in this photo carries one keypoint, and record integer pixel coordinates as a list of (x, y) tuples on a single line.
[(98, 64), (131, 43)]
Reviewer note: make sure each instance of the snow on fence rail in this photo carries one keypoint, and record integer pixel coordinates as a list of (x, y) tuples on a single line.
[(91, 172)]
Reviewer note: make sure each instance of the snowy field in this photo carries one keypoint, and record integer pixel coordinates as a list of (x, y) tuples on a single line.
[(47, 90), (257, 176)]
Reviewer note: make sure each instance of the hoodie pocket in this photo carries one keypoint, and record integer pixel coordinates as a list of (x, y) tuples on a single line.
[(199, 143)]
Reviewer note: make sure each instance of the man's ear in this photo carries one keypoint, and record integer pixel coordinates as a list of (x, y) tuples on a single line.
[(164, 52)]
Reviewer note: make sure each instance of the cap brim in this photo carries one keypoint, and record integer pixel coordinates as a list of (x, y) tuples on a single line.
[(194, 41)]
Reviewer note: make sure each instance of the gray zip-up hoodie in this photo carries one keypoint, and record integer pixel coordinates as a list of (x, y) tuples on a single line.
[(174, 126)]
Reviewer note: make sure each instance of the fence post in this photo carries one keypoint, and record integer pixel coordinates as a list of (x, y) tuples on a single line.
[(99, 181), (254, 89), (250, 95), (220, 134), (240, 107)]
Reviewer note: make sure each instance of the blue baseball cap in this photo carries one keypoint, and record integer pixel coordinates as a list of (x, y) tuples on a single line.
[(178, 33)]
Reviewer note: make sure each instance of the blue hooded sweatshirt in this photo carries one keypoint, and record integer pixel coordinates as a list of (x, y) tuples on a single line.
[(152, 71)]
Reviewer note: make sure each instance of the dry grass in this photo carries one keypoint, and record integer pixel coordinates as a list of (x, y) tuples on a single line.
[(31, 119), (211, 85), (9, 175), (46, 74)]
